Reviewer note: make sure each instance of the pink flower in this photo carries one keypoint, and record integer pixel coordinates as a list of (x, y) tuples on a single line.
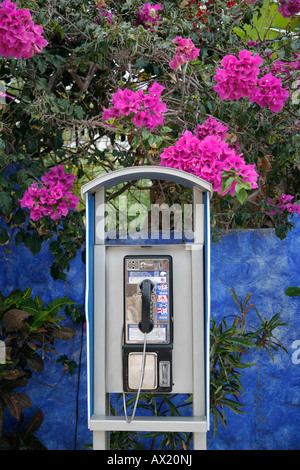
[(211, 127), (238, 77), (283, 203), (71, 200), (56, 192), (19, 36), (27, 200), (36, 213), (105, 14), (143, 108), (149, 16), (33, 190), (269, 92), (54, 199), (185, 51), (209, 158), (290, 8), (285, 68)]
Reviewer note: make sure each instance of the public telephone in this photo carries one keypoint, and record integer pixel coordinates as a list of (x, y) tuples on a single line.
[(148, 320)]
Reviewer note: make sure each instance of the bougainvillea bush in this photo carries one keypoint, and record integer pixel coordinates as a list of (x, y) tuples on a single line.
[(94, 86), (209, 87)]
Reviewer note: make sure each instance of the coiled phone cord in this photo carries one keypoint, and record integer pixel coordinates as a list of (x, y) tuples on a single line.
[(129, 419)]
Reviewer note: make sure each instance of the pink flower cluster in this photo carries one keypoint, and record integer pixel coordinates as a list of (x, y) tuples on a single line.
[(19, 36), (209, 157), (211, 127), (149, 16), (239, 79), (290, 8), (147, 109), (54, 198), (185, 51), (269, 92), (283, 203), (285, 68)]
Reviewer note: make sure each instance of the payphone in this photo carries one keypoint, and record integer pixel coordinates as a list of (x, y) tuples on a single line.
[(147, 313)]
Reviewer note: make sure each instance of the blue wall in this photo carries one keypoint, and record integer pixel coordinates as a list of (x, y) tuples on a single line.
[(251, 261)]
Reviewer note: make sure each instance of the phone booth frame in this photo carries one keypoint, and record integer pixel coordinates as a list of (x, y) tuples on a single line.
[(100, 367)]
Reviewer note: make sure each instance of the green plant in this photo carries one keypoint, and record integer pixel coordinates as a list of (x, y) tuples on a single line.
[(159, 405), (22, 437), (230, 343), (292, 291), (28, 329)]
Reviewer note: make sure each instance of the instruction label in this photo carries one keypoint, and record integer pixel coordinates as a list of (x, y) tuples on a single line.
[(157, 335), (159, 278)]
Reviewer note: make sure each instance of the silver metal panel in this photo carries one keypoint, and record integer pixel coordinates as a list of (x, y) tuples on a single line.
[(149, 423), (100, 217), (101, 399), (182, 313), (198, 215), (134, 371), (198, 332), (199, 441), (145, 172), (99, 328)]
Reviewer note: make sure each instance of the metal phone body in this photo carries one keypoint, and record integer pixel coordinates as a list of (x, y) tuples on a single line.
[(158, 361)]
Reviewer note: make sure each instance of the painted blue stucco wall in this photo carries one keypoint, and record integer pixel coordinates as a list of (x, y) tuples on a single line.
[(250, 261)]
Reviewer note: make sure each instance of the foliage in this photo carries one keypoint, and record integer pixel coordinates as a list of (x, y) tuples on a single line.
[(292, 291), (229, 345), (28, 329), (52, 114), (55, 113), (22, 437)]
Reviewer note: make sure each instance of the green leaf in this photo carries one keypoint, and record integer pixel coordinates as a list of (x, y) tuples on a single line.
[(236, 298), (35, 244), (281, 231), (166, 130), (79, 112), (19, 217), (31, 306), (5, 203), (42, 65), (243, 120), (4, 236), (37, 319), (19, 238), (226, 183), (71, 367), (2, 146), (135, 142), (241, 195), (56, 304), (146, 134), (39, 302), (292, 291)]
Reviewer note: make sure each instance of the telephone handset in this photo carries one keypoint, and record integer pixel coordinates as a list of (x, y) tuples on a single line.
[(148, 319), (146, 324)]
